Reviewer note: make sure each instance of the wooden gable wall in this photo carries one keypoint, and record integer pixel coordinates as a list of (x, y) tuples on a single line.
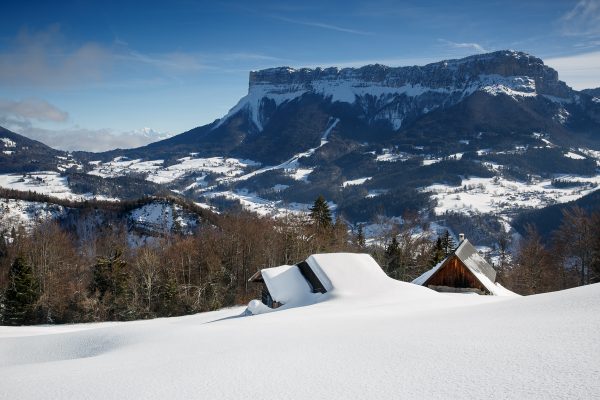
[(454, 274)]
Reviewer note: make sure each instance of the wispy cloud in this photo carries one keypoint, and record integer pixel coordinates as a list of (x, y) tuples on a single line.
[(581, 71), (76, 138), (32, 108), (322, 25), (25, 116), (391, 62), (582, 20), (468, 46), (177, 61), (48, 59), (44, 59)]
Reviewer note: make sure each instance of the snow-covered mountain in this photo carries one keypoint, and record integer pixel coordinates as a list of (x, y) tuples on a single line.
[(489, 134), (399, 95)]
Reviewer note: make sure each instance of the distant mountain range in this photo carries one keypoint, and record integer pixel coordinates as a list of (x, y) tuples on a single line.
[(491, 134)]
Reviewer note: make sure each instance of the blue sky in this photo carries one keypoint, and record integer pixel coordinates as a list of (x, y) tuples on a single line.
[(92, 75)]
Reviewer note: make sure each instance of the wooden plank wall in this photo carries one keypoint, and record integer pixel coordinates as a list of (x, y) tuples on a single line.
[(455, 274)]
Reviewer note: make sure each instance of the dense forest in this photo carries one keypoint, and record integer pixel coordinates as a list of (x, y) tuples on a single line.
[(50, 274)]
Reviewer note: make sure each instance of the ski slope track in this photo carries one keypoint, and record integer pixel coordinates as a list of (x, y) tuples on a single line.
[(292, 164), (406, 342)]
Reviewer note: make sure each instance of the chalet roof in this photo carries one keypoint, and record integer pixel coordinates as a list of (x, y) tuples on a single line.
[(285, 283), (344, 273), (468, 254), (482, 270)]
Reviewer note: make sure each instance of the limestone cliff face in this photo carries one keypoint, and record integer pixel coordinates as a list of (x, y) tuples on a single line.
[(448, 75), (400, 95)]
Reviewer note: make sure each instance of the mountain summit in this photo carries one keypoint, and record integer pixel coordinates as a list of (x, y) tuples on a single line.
[(402, 94)]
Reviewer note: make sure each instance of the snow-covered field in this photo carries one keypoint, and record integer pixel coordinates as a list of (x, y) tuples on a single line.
[(274, 208), (355, 182), (50, 183), (408, 343), (45, 182), (498, 195), (158, 173)]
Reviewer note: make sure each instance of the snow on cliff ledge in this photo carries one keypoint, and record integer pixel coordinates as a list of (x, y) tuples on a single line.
[(402, 91)]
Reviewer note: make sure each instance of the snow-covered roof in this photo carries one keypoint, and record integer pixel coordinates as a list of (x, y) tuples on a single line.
[(468, 254), (341, 274), (423, 278), (482, 270), (286, 283), (348, 273)]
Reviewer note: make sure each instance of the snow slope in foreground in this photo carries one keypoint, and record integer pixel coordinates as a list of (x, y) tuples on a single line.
[(417, 344)]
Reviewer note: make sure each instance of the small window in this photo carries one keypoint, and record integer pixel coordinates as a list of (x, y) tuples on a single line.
[(315, 284)]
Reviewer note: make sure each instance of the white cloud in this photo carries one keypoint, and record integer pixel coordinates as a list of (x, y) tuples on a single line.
[(48, 59), (175, 61), (390, 62), (22, 117), (44, 59), (322, 25), (476, 47), (583, 19), (32, 108), (581, 71), (77, 138)]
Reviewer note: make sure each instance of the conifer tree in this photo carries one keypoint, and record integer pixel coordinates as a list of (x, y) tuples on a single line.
[(448, 244), (437, 253), (21, 295), (110, 281), (320, 214), (360, 237), (392, 258)]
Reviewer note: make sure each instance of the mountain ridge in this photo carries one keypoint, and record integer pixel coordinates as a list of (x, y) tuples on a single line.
[(501, 118)]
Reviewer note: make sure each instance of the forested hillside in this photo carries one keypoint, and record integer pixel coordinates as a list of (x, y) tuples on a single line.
[(58, 272)]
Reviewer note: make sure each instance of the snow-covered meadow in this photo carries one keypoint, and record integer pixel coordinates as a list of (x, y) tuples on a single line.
[(500, 196), (44, 182), (158, 173), (406, 342)]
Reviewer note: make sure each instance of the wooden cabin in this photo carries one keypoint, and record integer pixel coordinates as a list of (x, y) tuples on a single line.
[(463, 271), (280, 284), (265, 295)]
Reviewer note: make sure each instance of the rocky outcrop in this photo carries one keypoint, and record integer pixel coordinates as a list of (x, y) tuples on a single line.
[(399, 95), (448, 75)]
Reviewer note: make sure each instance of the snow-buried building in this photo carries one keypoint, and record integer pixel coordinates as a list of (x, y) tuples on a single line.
[(355, 277), (339, 274), (463, 271)]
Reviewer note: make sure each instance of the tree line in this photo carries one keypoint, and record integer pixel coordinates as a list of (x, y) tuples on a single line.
[(48, 274)]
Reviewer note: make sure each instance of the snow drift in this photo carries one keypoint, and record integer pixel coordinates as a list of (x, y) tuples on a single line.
[(408, 342)]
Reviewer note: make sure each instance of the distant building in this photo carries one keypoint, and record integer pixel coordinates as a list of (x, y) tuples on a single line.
[(463, 271)]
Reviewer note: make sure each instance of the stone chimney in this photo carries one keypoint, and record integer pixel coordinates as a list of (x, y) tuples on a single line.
[(461, 237)]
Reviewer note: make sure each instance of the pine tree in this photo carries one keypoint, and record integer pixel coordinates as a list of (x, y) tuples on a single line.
[(437, 253), (448, 244), (360, 237), (392, 258), (320, 214), (110, 281), (21, 295)]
